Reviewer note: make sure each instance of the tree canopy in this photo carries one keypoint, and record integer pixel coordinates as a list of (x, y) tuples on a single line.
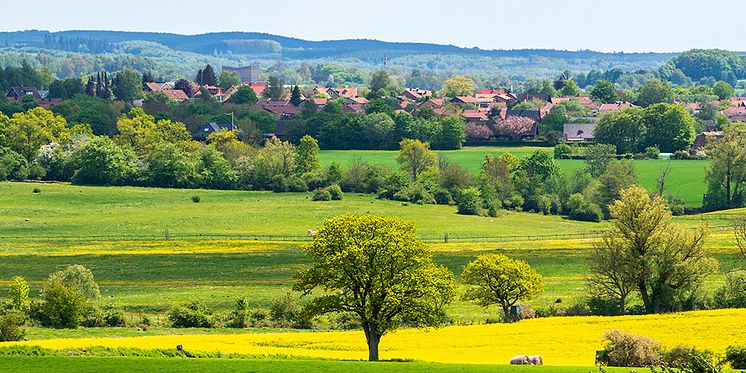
[(376, 269)]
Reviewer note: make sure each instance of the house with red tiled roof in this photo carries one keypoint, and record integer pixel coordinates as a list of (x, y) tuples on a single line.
[(175, 94), (619, 105), (41, 97), (356, 101), (258, 87), (282, 109), (475, 116), (433, 103), (415, 94), (354, 108), (736, 113)]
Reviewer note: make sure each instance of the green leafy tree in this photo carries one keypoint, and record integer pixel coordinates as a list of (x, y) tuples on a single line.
[(80, 278), (669, 127), (605, 92), (726, 174), (416, 157), (18, 296), (654, 91), (570, 88), (539, 164), (624, 129), (598, 157), (723, 90), (275, 89), (101, 162), (618, 176), (128, 85), (244, 95), (307, 155), (452, 133), (665, 263), (26, 132), (229, 79), (61, 305), (377, 269), (381, 85), (497, 279), (458, 86)]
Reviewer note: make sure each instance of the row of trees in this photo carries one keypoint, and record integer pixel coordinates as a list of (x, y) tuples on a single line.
[(668, 127)]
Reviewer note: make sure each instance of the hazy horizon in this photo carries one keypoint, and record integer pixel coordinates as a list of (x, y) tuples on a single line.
[(632, 26)]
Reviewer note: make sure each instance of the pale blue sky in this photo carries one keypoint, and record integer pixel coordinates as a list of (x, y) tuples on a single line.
[(623, 25)]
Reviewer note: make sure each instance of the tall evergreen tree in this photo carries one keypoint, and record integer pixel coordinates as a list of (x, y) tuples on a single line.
[(295, 97), (275, 89), (208, 76), (90, 87), (199, 77)]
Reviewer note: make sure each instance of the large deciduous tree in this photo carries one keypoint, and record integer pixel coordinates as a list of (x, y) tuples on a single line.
[(669, 127), (375, 268), (458, 86), (128, 85), (666, 264), (497, 279), (726, 175), (604, 91), (623, 129), (26, 132), (416, 157)]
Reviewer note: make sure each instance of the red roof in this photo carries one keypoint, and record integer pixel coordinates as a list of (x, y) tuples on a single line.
[(259, 88), (279, 107), (615, 106), (584, 100), (465, 99), (353, 108), (153, 87), (492, 92), (176, 94)]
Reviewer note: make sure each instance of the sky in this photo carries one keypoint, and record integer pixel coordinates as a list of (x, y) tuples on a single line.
[(608, 26)]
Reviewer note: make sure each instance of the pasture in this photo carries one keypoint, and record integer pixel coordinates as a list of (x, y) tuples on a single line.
[(686, 180), (120, 234)]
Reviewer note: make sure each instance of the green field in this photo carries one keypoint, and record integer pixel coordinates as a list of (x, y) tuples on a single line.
[(153, 275), (147, 365), (686, 178)]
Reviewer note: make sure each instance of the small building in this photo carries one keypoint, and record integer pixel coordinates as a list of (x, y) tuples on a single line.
[(247, 74), (212, 127), (281, 109), (702, 140), (578, 132), (415, 94)]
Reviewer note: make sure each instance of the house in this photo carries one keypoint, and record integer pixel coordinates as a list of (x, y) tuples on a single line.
[(282, 109), (702, 140), (212, 127), (495, 95), (354, 108), (464, 100), (536, 115), (583, 100), (434, 103), (736, 113), (259, 87), (158, 86), (619, 105), (475, 116), (318, 103), (18, 93), (350, 92), (578, 132), (516, 130), (41, 97), (415, 94), (356, 101), (525, 97)]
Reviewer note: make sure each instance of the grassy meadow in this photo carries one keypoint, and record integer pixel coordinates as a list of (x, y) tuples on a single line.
[(686, 180), (151, 249)]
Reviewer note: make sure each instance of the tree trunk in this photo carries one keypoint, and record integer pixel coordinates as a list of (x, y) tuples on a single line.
[(645, 297), (506, 314), (373, 337), (622, 305)]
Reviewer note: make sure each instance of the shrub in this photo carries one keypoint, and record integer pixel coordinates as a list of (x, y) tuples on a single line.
[(80, 278), (36, 190), (514, 202), (689, 359), (115, 318), (443, 197), (600, 306), (196, 199), (562, 151), (336, 192), (470, 202), (544, 203), (651, 152), (732, 294), (629, 350), (193, 315), (579, 208), (681, 155), (61, 305), (297, 185), (18, 296), (526, 312), (579, 309), (322, 194), (415, 193), (286, 312), (11, 327), (736, 357)]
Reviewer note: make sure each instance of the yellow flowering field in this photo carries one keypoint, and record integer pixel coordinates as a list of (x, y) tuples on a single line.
[(164, 247), (562, 341)]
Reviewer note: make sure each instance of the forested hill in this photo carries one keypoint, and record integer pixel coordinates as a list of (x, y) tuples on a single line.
[(253, 43)]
